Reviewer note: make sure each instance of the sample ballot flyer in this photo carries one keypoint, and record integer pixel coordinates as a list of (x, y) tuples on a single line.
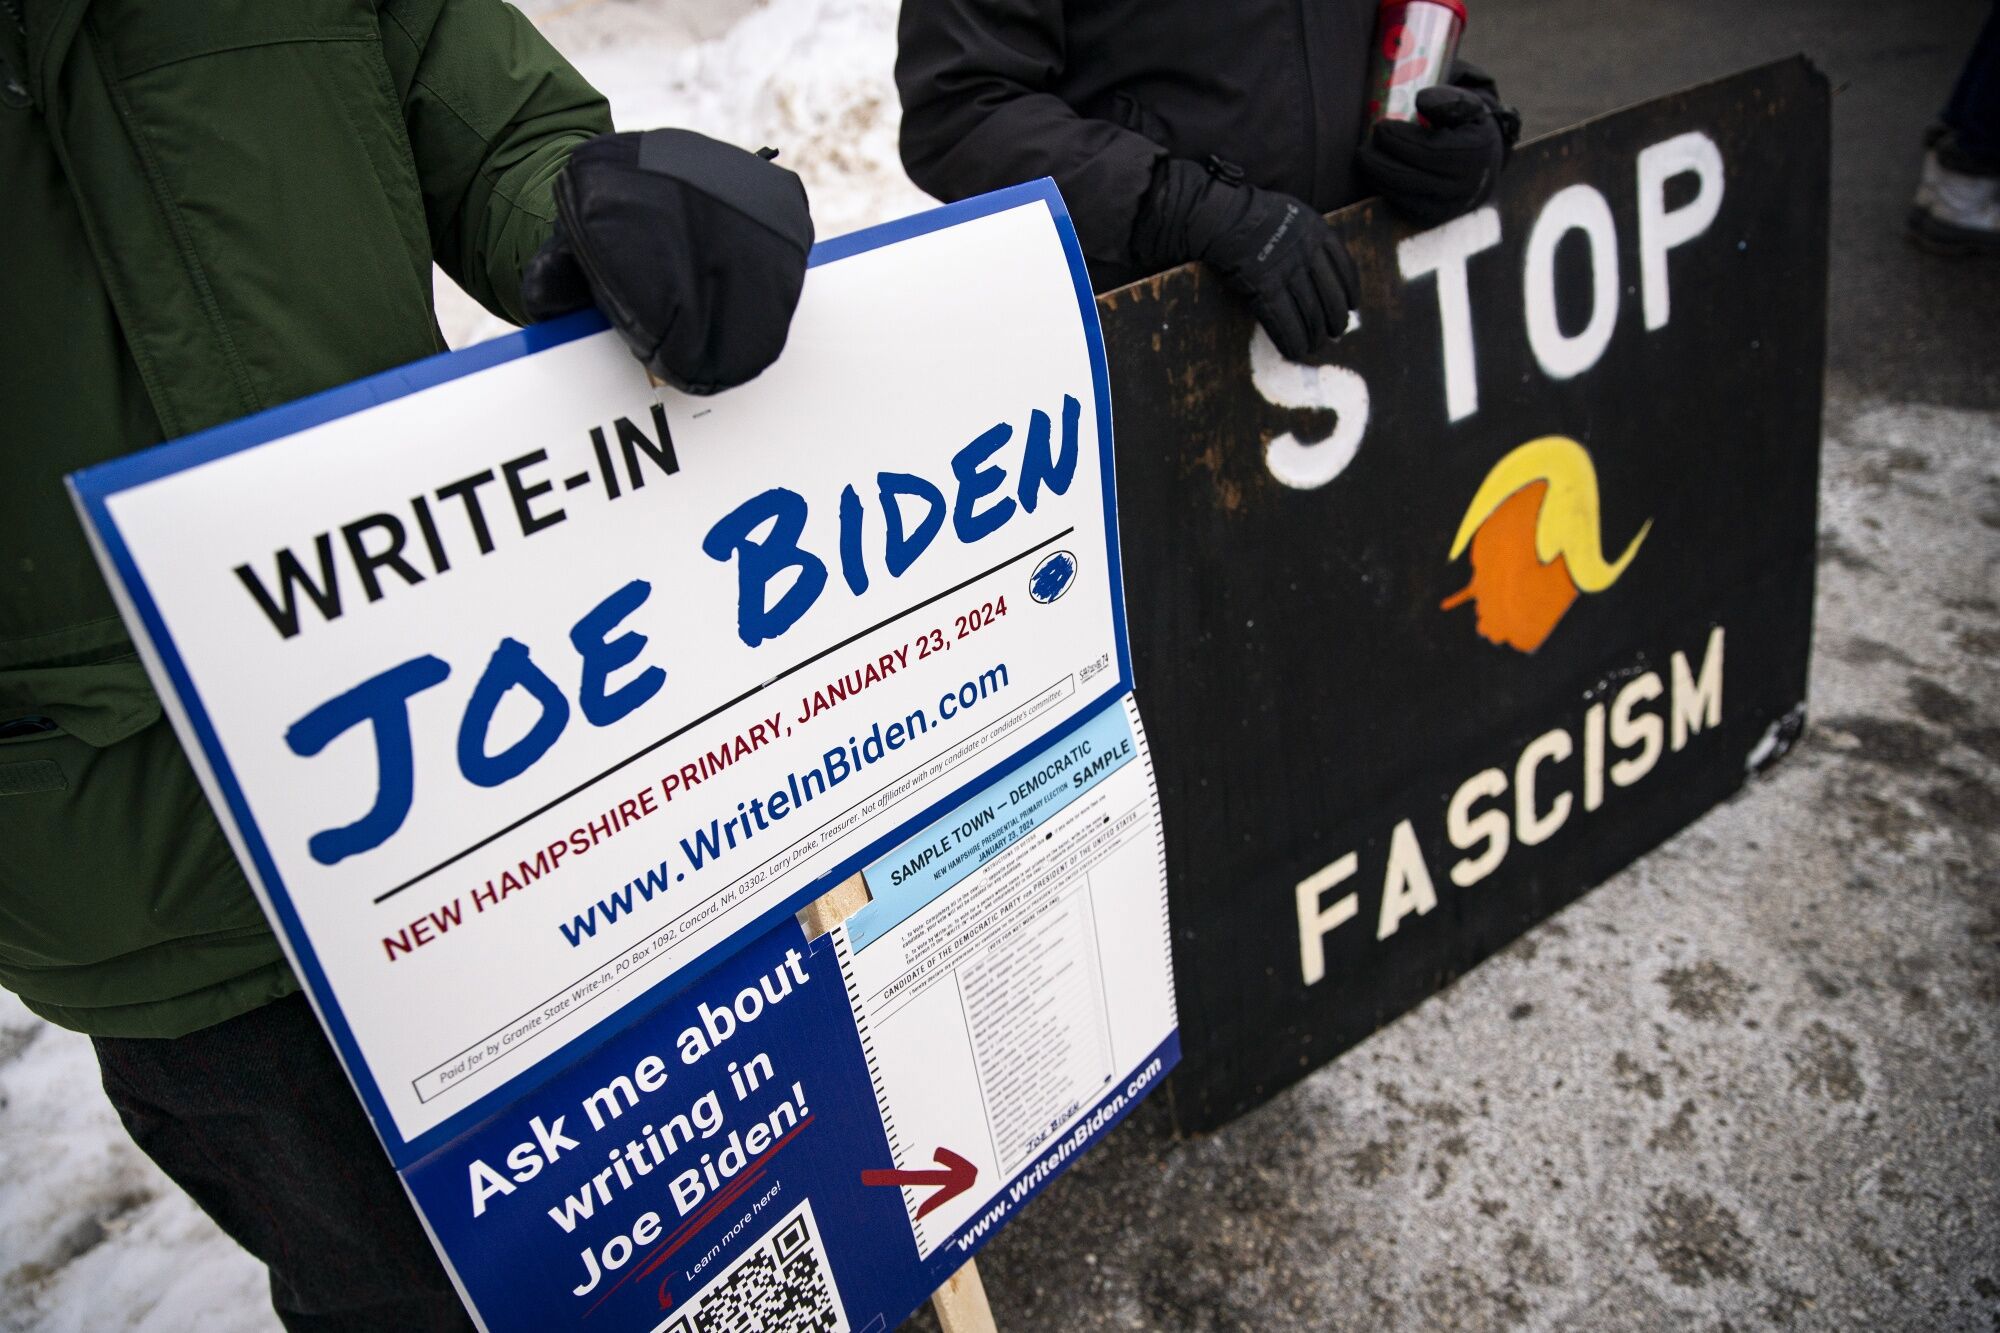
[(1013, 967)]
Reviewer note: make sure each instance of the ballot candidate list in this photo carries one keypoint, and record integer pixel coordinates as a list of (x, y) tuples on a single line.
[(1013, 960)]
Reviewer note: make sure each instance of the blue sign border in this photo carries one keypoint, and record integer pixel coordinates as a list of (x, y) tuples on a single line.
[(93, 488)]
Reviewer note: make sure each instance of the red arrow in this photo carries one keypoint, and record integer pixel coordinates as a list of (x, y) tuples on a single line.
[(954, 1180)]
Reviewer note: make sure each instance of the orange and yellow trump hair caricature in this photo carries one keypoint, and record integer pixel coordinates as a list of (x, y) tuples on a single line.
[(1534, 532)]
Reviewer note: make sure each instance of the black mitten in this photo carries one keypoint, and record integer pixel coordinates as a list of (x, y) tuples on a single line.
[(1448, 161), (1475, 80), (1270, 247), (694, 249)]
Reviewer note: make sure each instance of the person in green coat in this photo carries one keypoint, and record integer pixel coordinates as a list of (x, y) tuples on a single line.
[(212, 208)]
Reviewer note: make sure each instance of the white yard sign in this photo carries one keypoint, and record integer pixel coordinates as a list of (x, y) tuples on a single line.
[(522, 685)]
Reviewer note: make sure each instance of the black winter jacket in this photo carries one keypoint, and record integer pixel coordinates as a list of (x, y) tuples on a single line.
[(1094, 92)]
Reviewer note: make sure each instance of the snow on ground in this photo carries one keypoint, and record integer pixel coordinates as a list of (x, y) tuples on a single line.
[(811, 78), (92, 1237)]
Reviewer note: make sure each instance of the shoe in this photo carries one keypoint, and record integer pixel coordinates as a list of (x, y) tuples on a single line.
[(1957, 206), (1927, 180)]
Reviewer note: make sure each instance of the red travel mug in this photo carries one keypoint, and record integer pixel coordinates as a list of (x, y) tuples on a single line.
[(1415, 41)]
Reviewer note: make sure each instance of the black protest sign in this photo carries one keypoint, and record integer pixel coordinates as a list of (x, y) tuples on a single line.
[(1436, 636)]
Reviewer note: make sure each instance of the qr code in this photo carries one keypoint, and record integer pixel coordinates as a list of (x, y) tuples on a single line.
[(779, 1285)]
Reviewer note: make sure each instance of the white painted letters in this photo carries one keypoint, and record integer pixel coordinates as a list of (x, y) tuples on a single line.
[(1443, 251), (1698, 703), (1407, 887), (1327, 388), (1467, 831), (1315, 923), (1644, 731), (1660, 230), (1530, 825), (1577, 208)]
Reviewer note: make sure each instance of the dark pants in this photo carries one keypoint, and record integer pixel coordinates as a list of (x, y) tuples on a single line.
[(256, 1121), (1973, 114)]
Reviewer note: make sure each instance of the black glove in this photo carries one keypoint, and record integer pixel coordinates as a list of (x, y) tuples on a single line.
[(1269, 246), (1447, 162), (694, 249)]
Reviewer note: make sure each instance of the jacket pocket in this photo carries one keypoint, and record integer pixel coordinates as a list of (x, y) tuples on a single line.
[(31, 776), (113, 854), (280, 150), (99, 703)]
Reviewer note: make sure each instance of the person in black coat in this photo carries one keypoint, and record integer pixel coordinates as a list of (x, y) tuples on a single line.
[(1191, 129)]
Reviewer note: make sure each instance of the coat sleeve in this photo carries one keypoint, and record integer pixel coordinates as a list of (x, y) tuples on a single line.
[(492, 112), (979, 113)]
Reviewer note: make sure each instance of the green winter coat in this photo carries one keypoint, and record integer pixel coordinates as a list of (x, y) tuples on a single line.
[(207, 208)]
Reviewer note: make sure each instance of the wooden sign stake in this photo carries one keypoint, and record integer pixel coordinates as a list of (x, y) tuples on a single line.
[(834, 906), (960, 1303)]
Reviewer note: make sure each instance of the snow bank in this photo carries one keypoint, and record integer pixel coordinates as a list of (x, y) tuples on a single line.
[(812, 78), (92, 1237)]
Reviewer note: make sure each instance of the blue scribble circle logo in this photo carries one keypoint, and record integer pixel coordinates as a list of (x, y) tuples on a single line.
[(1052, 577)]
